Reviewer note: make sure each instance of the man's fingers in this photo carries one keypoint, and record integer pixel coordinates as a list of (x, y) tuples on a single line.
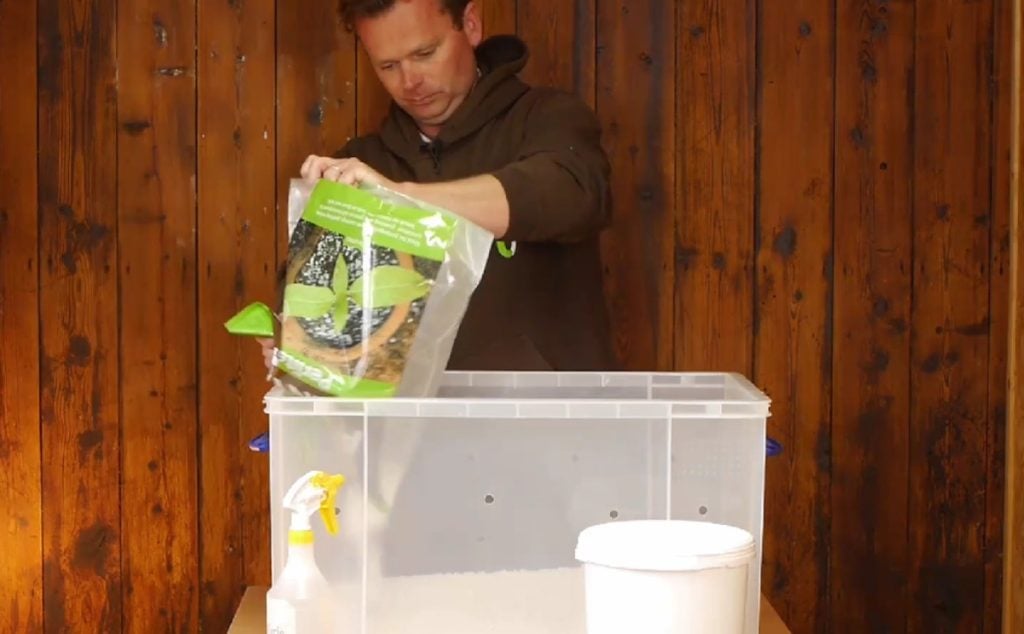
[(332, 172), (350, 177), (350, 171), (267, 348), (304, 169), (307, 170), (313, 168), (317, 168)]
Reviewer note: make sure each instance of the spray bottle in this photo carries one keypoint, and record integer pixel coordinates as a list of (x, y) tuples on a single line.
[(300, 601)]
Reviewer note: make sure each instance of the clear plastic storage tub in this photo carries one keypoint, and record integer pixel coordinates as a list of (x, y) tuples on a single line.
[(461, 513)]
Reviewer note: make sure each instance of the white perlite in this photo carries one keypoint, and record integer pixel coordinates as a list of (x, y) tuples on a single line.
[(508, 602)]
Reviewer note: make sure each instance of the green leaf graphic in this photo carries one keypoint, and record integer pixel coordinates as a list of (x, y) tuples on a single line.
[(390, 285), (340, 314), (340, 281), (303, 300)]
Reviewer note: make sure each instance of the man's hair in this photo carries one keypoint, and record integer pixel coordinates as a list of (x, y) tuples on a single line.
[(352, 10)]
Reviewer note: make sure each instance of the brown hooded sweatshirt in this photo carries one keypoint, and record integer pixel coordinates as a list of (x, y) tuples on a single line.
[(542, 308)]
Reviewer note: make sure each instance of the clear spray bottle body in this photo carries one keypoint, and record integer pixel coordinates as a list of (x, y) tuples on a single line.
[(300, 600)]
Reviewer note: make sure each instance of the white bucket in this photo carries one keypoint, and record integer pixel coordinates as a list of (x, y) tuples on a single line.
[(662, 577)]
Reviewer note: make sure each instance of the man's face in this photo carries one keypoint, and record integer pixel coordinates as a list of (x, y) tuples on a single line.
[(425, 63)]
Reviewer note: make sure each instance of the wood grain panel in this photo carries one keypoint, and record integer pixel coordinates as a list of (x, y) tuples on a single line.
[(21, 573), (1012, 596), (157, 263), (79, 308), (316, 91), (237, 263), (951, 318), (793, 332), (715, 194), (499, 16), (999, 239), (639, 138), (871, 386), (561, 37)]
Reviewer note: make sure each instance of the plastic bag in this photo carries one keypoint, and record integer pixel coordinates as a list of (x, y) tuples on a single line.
[(376, 286)]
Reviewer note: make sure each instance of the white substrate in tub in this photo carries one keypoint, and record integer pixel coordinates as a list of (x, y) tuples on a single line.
[(534, 601)]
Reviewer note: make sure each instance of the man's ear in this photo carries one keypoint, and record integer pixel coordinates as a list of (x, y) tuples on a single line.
[(472, 24)]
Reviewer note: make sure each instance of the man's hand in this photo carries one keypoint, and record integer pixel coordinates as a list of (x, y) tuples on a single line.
[(267, 347), (480, 199), (350, 171)]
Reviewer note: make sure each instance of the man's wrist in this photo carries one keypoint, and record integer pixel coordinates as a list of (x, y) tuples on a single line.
[(407, 188)]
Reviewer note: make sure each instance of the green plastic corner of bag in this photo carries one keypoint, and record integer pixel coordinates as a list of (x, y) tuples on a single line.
[(255, 320)]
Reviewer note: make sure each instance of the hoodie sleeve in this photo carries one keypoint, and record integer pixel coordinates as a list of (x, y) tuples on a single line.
[(557, 188)]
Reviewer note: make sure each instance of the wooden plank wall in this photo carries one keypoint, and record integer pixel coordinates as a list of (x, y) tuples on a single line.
[(1013, 144), (815, 194), (21, 578)]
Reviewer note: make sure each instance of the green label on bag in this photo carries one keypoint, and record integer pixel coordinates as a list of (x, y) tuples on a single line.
[(333, 383), (359, 215)]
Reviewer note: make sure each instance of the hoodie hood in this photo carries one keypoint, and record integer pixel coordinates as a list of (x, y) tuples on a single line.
[(500, 59)]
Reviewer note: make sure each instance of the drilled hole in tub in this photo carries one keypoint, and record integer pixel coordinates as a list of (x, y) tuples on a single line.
[(703, 510), (613, 514), (489, 499)]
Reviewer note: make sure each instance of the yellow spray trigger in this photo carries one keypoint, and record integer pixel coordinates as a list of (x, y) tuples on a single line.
[(330, 484)]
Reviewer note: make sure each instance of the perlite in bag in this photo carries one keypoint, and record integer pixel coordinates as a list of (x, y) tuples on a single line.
[(376, 286)]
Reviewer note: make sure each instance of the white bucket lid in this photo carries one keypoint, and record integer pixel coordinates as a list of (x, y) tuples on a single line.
[(665, 545)]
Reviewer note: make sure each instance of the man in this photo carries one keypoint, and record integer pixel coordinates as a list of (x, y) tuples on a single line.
[(464, 133)]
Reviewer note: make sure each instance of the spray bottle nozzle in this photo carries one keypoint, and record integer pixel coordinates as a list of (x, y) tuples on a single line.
[(330, 485), (314, 491)]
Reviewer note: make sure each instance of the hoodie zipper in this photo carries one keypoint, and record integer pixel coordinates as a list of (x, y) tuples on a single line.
[(433, 148)]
